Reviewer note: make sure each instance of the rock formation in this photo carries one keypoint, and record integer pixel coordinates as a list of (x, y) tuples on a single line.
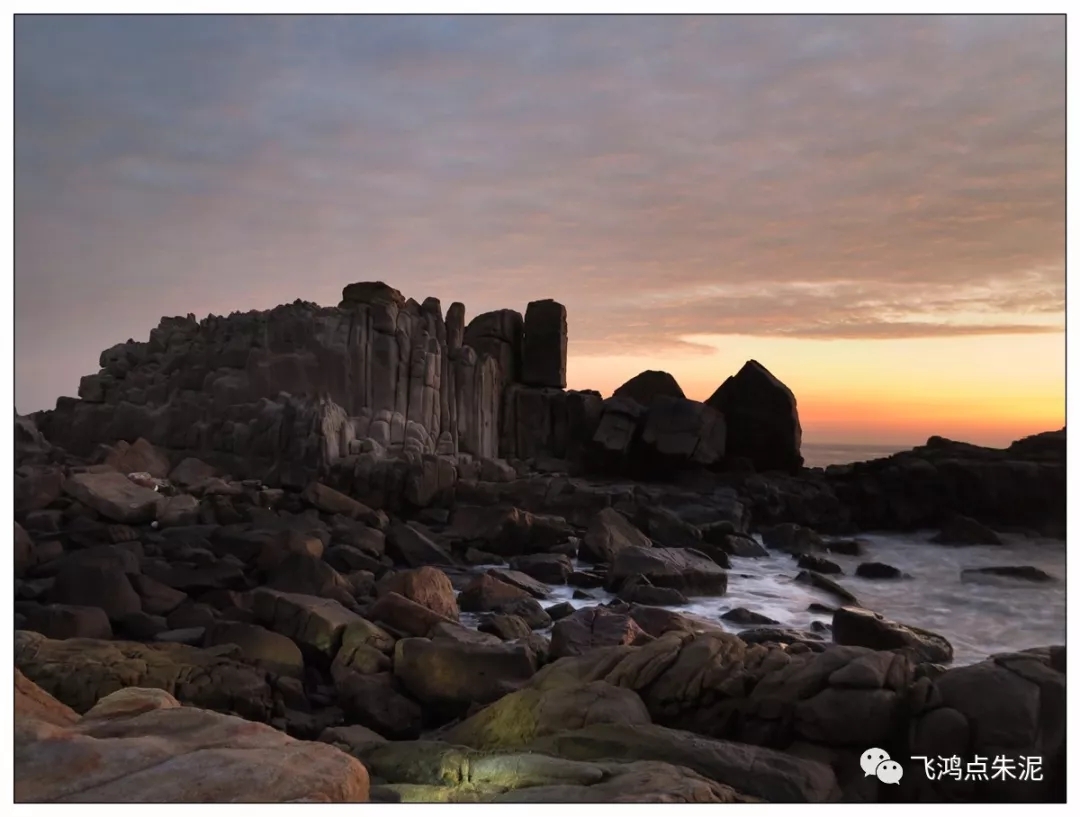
[(762, 419), (648, 385), (392, 400)]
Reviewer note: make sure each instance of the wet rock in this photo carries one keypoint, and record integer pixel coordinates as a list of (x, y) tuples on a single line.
[(815, 579), (1024, 572), (777, 635), (552, 568), (536, 589), (819, 564), (845, 547), (740, 615), (791, 538), (487, 594), (563, 608), (963, 530), (594, 627), (610, 532), (507, 628), (734, 544), (638, 590), (863, 628), (691, 572), (878, 570)]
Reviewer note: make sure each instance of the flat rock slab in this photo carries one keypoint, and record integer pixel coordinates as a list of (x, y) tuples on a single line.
[(82, 671), (114, 496), (141, 745)]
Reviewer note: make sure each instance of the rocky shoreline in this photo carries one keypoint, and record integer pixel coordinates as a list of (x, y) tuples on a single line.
[(293, 518)]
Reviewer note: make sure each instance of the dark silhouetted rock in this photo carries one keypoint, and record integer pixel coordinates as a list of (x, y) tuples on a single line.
[(762, 419), (648, 385), (1025, 572), (877, 570), (863, 628), (543, 348), (686, 570), (962, 530)]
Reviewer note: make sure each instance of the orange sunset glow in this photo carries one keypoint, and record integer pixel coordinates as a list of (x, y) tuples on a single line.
[(872, 207)]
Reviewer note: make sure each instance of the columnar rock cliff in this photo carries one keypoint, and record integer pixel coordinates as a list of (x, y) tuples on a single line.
[(303, 389)]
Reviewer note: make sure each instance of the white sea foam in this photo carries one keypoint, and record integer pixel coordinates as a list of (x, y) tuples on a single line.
[(978, 618)]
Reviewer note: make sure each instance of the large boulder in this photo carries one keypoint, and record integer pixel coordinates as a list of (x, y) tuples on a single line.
[(405, 616), (688, 571), (138, 457), (648, 385), (315, 624), (106, 587), (543, 347), (141, 745), (259, 646), (766, 773), (507, 531), (762, 419), (82, 671), (114, 496), (411, 546), (62, 621), (23, 547), (864, 628), (678, 433), (594, 627), (427, 586), (451, 676), (963, 530), (610, 532), (376, 701), (521, 717)]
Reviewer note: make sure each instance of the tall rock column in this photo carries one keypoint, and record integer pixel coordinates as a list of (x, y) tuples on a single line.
[(543, 351), (762, 419)]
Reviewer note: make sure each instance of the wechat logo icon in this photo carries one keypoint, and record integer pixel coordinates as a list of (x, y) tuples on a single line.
[(877, 762)]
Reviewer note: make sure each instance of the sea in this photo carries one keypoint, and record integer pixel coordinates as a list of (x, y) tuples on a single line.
[(979, 616), (819, 455)]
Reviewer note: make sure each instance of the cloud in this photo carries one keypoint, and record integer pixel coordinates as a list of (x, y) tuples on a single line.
[(665, 177)]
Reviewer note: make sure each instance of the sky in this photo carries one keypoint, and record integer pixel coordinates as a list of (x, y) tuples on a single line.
[(872, 207)]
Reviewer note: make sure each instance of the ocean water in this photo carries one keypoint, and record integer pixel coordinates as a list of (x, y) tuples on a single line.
[(978, 618), (819, 455)]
